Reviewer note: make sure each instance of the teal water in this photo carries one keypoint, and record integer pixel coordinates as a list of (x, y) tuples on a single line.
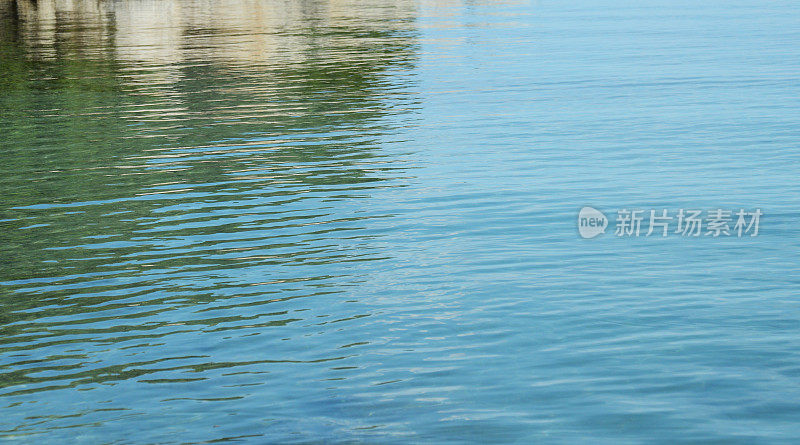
[(341, 221)]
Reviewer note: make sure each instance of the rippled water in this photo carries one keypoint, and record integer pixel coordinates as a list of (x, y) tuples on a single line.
[(341, 221)]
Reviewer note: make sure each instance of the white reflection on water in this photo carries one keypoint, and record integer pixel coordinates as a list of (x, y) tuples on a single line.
[(164, 33)]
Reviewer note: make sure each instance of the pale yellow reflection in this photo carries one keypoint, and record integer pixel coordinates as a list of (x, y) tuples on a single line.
[(167, 33)]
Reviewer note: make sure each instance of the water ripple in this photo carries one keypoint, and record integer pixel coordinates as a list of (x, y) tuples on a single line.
[(317, 221)]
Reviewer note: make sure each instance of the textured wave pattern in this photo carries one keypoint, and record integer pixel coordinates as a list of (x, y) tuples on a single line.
[(340, 221)]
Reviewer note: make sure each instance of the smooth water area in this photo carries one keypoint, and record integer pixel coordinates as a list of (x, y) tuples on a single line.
[(347, 221)]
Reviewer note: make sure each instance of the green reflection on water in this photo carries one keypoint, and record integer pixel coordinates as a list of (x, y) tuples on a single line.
[(150, 149)]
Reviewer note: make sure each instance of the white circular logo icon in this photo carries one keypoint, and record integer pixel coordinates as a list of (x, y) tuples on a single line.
[(591, 222)]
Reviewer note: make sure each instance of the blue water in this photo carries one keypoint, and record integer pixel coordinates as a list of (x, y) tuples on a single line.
[(344, 222)]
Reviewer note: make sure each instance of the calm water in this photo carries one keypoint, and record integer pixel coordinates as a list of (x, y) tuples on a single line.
[(355, 221)]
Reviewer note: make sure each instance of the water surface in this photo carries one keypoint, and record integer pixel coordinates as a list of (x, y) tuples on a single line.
[(340, 221)]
